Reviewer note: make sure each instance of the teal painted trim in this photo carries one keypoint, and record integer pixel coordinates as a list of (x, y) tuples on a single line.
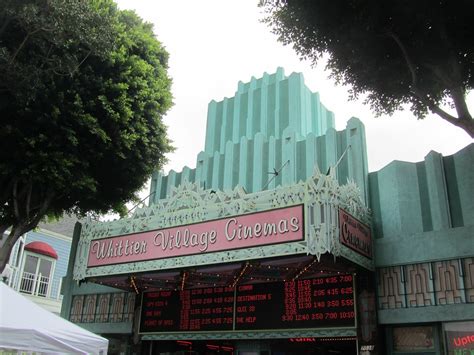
[(341, 145), (163, 186), (438, 195), (259, 171), (211, 137), (300, 157), (288, 172), (464, 162), (153, 187), (453, 193), (244, 158), (255, 334), (445, 313), (273, 162), (86, 288), (424, 197), (330, 148), (357, 157), (377, 226), (68, 282), (446, 244), (108, 328)]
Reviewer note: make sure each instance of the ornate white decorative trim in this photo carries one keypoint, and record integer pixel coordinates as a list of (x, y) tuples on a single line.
[(189, 203)]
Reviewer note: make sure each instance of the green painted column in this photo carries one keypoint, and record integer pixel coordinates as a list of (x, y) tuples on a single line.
[(437, 192), (311, 162), (243, 167), (464, 172), (357, 156), (211, 134), (68, 282), (231, 166), (201, 169), (288, 172), (259, 156), (217, 171), (274, 162)]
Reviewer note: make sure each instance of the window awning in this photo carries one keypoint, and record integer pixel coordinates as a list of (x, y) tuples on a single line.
[(42, 249)]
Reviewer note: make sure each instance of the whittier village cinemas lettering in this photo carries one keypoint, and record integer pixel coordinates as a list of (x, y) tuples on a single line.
[(354, 234), (261, 228)]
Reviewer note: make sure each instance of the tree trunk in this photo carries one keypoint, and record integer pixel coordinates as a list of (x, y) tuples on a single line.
[(464, 122), (7, 246)]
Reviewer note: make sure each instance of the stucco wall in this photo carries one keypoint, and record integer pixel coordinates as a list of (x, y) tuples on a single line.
[(424, 211)]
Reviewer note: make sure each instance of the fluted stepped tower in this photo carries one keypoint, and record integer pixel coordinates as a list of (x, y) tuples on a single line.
[(273, 132)]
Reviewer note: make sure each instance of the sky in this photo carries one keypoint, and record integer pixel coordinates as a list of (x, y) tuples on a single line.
[(214, 44)]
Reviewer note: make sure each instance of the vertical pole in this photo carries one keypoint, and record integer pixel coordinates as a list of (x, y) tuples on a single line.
[(68, 281), (20, 265), (59, 288), (37, 284)]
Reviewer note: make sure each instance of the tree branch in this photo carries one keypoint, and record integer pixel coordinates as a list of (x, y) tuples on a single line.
[(82, 61), (6, 190), (42, 210), (15, 199), (464, 122), (22, 44), (28, 198), (3, 228), (410, 64), (459, 100), (5, 25), (6, 249)]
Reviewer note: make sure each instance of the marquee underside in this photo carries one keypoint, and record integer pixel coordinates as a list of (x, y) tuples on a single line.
[(228, 274)]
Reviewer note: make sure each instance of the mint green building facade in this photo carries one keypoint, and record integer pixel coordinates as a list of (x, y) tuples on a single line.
[(423, 221), (272, 146), (274, 123)]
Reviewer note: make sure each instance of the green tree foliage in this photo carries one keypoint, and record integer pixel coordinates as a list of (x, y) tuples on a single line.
[(393, 52), (83, 90)]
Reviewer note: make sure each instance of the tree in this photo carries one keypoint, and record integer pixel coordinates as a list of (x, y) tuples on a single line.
[(84, 88), (393, 52)]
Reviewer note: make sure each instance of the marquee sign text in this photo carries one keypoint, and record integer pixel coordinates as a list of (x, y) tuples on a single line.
[(244, 231), (354, 234)]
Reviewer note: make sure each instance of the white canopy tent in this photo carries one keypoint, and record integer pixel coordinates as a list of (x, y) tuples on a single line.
[(26, 327)]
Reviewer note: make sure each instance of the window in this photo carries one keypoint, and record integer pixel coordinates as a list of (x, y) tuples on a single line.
[(37, 274)]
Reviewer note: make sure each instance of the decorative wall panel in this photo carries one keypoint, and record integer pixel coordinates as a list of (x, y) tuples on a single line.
[(426, 284), (76, 309), (391, 287), (88, 315), (103, 308), (449, 283), (468, 269), (419, 285), (103, 305)]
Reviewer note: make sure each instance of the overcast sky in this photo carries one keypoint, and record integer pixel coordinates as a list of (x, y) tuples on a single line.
[(215, 43)]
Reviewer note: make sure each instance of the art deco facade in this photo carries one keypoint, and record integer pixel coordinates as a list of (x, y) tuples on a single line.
[(280, 205)]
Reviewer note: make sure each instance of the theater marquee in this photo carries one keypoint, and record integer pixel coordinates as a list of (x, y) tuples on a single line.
[(244, 231)]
